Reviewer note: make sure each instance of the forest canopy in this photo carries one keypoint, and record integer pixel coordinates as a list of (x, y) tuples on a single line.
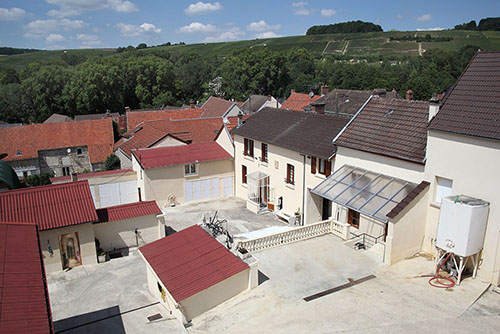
[(344, 28)]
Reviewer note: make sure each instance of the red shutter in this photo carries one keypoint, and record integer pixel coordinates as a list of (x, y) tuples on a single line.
[(244, 174), (328, 168), (288, 173), (313, 165), (245, 146), (251, 147)]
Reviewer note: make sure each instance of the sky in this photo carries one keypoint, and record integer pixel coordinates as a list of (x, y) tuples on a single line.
[(72, 24)]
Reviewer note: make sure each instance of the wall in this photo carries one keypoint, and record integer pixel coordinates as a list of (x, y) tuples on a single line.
[(406, 231), (169, 141), (401, 169), (52, 161), (224, 140), (473, 165), (216, 294), (159, 183), (292, 194), (125, 161), (30, 166), (51, 237), (121, 234)]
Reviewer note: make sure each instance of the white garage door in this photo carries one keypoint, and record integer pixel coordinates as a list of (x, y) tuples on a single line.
[(118, 193), (200, 190), (228, 186)]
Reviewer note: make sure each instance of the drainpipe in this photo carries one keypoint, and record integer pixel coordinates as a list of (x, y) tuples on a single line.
[(303, 192)]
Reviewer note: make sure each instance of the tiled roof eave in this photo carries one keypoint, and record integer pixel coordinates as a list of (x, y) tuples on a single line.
[(395, 156)]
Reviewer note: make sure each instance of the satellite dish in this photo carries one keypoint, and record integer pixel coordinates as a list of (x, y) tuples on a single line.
[(68, 150), (311, 94)]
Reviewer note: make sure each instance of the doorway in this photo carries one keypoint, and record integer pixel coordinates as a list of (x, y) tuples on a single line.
[(70, 250), (327, 209)]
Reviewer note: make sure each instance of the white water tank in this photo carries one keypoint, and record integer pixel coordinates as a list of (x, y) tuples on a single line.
[(462, 225)]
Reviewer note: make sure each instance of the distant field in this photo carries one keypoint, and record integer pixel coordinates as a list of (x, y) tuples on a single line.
[(353, 45)]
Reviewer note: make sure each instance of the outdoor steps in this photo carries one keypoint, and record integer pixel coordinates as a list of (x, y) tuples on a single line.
[(263, 211)]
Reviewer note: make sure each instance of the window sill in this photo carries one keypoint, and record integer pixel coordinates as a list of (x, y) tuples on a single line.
[(436, 204), (190, 176), (264, 163), (244, 185), (290, 185), (249, 158), (320, 176)]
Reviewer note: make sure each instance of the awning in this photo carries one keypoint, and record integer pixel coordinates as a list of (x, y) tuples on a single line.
[(370, 193), (256, 176)]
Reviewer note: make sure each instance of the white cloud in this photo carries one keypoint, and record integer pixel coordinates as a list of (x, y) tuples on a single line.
[(202, 8), (229, 35), (431, 29), (77, 7), (400, 17), (267, 34), (328, 12), (425, 17), (11, 14), (299, 8), (197, 27), (42, 28), (55, 38), (144, 29), (88, 41), (262, 26)]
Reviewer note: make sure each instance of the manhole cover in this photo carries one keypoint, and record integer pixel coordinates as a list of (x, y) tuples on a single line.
[(155, 317)]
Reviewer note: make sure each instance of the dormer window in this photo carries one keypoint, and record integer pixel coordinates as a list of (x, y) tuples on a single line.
[(19, 152)]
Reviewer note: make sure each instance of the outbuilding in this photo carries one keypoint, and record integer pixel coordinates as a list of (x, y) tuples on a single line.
[(190, 272)]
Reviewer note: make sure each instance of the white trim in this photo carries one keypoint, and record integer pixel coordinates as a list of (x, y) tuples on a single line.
[(350, 121)]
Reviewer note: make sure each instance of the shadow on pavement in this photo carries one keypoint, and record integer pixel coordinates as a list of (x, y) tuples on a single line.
[(107, 320)]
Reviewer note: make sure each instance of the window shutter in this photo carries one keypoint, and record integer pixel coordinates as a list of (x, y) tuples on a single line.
[(288, 173), (244, 174), (313, 165), (328, 168)]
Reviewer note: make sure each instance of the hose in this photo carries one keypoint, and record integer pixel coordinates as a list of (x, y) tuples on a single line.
[(437, 280)]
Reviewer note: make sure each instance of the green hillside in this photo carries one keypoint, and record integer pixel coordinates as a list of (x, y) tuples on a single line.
[(359, 45)]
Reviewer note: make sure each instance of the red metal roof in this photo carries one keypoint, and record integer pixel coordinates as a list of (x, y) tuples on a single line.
[(24, 298), (191, 261), (297, 101), (177, 155), (97, 135), (86, 176), (126, 211), (51, 206)]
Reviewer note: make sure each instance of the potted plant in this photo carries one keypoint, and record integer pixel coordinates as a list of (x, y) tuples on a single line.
[(297, 217), (101, 254)]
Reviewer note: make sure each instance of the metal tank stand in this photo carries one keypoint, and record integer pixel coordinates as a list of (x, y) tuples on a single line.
[(460, 264)]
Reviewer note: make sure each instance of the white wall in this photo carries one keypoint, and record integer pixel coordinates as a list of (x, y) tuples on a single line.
[(125, 161), (473, 165), (224, 140), (121, 233), (169, 141)]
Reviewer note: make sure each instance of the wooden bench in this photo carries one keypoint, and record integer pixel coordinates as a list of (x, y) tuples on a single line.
[(286, 216)]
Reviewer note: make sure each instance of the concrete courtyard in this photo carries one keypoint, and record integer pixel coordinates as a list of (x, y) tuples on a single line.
[(112, 297)]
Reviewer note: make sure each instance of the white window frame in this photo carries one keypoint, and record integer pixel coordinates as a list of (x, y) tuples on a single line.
[(443, 188), (65, 174), (190, 169)]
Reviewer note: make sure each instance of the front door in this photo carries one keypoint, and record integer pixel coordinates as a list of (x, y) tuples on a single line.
[(327, 209)]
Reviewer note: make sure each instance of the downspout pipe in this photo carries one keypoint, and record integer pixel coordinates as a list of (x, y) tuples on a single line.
[(302, 222)]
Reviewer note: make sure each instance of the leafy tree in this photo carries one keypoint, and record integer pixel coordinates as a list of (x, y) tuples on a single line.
[(38, 179), (490, 23), (466, 26), (141, 46), (112, 162), (345, 28)]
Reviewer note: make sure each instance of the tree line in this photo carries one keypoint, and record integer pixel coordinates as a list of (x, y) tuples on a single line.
[(344, 28), (160, 79), (490, 23)]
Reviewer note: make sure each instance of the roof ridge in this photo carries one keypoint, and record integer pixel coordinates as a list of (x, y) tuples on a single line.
[(42, 187)]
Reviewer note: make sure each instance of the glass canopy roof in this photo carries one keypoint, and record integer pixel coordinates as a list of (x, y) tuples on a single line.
[(372, 194)]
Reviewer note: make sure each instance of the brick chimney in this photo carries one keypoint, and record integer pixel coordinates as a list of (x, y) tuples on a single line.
[(74, 177), (409, 95), (127, 109), (269, 97), (319, 108), (191, 104), (324, 90), (433, 106), (292, 92)]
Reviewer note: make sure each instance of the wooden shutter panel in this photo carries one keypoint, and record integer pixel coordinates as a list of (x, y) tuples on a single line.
[(328, 168), (288, 173), (244, 174), (313, 165)]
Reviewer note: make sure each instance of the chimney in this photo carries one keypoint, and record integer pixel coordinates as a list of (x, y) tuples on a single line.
[(108, 113), (269, 97), (433, 106), (409, 95), (127, 109), (292, 92), (240, 118), (380, 92), (74, 177), (191, 104), (324, 90), (319, 108)]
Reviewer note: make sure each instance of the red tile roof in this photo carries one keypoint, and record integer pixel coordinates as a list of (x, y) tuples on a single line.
[(190, 261), (51, 206), (135, 118), (297, 101), (215, 107), (24, 298), (472, 107), (390, 127), (97, 135), (193, 130), (127, 211), (177, 155), (86, 176)]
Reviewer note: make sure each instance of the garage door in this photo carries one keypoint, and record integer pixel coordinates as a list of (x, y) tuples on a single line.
[(201, 190), (118, 193), (228, 186)]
